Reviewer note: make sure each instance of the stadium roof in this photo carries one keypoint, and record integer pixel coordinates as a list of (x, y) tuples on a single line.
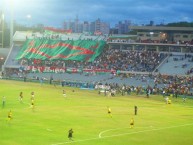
[(161, 28)]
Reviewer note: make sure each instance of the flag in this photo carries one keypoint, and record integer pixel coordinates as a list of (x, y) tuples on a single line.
[(48, 49)]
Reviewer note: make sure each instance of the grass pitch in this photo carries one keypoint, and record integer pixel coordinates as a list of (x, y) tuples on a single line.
[(85, 111)]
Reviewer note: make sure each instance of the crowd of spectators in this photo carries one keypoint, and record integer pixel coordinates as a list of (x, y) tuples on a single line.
[(170, 85), (175, 85), (143, 61), (116, 59)]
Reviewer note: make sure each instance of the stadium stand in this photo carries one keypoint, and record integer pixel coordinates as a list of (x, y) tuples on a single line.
[(177, 65), (114, 66)]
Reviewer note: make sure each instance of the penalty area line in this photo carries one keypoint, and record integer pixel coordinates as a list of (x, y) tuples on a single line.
[(118, 129), (136, 132)]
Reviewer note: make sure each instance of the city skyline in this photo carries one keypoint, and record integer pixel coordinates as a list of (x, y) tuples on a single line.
[(55, 12)]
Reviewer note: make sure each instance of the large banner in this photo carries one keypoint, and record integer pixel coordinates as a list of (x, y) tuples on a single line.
[(47, 49)]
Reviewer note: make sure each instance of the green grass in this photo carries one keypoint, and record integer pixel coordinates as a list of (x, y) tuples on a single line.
[(85, 111)]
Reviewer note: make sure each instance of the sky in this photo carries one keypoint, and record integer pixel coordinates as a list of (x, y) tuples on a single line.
[(55, 12)]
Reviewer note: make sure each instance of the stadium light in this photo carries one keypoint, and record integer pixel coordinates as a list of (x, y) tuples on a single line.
[(2, 22), (3, 16), (28, 19), (28, 16), (12, 4), (11, 21)]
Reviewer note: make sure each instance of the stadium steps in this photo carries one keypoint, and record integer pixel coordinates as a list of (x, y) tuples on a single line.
[(172, 67)]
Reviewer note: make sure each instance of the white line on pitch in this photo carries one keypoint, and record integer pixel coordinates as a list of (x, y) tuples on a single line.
[(68, 142), (119, 129)]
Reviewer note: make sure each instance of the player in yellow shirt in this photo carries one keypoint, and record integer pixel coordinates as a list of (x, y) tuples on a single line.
[(32, 95), (131, 123), (9, 116), (21, 97), (32, 105), (109, 111)]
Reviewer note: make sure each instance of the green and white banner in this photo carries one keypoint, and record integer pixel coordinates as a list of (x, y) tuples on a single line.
[(47, 49)]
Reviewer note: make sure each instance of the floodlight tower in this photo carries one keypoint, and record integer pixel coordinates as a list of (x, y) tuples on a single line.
[(28, 20), (11, 22), (2, 27)]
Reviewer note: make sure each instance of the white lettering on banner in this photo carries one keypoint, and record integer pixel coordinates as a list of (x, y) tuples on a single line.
[(45, 69), (62, 69)]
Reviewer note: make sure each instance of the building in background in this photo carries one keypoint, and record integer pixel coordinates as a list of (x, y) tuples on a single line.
[(164, 34), (94, 27), (85, 26), (123, 27)]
